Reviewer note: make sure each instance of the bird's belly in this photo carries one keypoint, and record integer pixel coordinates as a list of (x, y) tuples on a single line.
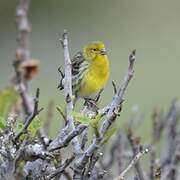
[(91, 84)]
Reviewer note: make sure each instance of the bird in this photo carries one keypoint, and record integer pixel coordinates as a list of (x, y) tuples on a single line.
[(90, 71)]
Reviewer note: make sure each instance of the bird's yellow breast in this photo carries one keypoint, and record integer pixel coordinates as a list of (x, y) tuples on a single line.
[(96, 77)]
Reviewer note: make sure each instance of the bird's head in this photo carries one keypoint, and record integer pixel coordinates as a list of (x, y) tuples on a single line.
[(94, 49)]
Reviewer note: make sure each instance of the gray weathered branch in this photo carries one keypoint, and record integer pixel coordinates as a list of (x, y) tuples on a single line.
[(132, 163), (23, 53), (29, 119), (58, 143), (68, 92)]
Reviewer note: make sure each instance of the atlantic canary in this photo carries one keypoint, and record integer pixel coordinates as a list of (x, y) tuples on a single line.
[(90, 71)]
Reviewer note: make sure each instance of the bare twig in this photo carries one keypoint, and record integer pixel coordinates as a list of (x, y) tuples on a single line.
[(114, 87), (68, 92), (157, 128), (132, 163), (171, 133), (118, 99), (136, 147), (61, 168), (93, 159), (23, 53), (60, 144), (62, 114), (172, 169), (29, 119)]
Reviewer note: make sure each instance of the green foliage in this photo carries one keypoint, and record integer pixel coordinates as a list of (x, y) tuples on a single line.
[(80, 117), (8, 97), (32, 129), (108, 135), (2, 123), (95, 122), (34, 126)]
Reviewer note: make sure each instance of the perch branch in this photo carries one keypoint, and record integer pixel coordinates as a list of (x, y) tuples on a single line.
[(68, 92)]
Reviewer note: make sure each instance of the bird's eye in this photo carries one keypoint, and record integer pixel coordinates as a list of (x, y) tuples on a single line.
[(94, 49)]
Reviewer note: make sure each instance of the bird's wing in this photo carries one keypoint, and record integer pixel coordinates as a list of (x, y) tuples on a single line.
[(77, 61), (79, 67)]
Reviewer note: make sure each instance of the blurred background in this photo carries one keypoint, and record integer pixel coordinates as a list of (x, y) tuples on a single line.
[(151, 27)]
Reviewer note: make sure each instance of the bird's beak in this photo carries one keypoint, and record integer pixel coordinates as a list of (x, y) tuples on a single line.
[(103, 51)]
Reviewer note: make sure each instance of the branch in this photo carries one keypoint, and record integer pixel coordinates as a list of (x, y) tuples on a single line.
[(29, 119), (62, 114), (136, 147), (132, 163), (171, 133), (58, 144), (68, 92), (61, 169), (23, 53), (119, 97)]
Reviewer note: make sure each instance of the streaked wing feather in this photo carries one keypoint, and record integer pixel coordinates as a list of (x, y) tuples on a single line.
[(76, 61), (79, 67)]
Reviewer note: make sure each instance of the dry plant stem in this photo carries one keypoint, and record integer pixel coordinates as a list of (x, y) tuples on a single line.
[(118, 99), (79, 129), (68, 93), (61, 168), (23, 53), (171, 133), (132, 163), (156, 134), (29, 119), (172, 172), (93, 159), (114, 87), (135, 145), (62, 114), (81, 162)]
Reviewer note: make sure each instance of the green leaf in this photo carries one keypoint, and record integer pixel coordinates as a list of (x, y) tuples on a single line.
[(80, 117), (108, 135), (23, 136), (18, 125), (8, 97), (95, 122), (2, 123), (2, 126), (32, 129), (34, 126)]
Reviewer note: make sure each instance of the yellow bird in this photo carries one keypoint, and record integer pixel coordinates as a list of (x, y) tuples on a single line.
[(90, 71)]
